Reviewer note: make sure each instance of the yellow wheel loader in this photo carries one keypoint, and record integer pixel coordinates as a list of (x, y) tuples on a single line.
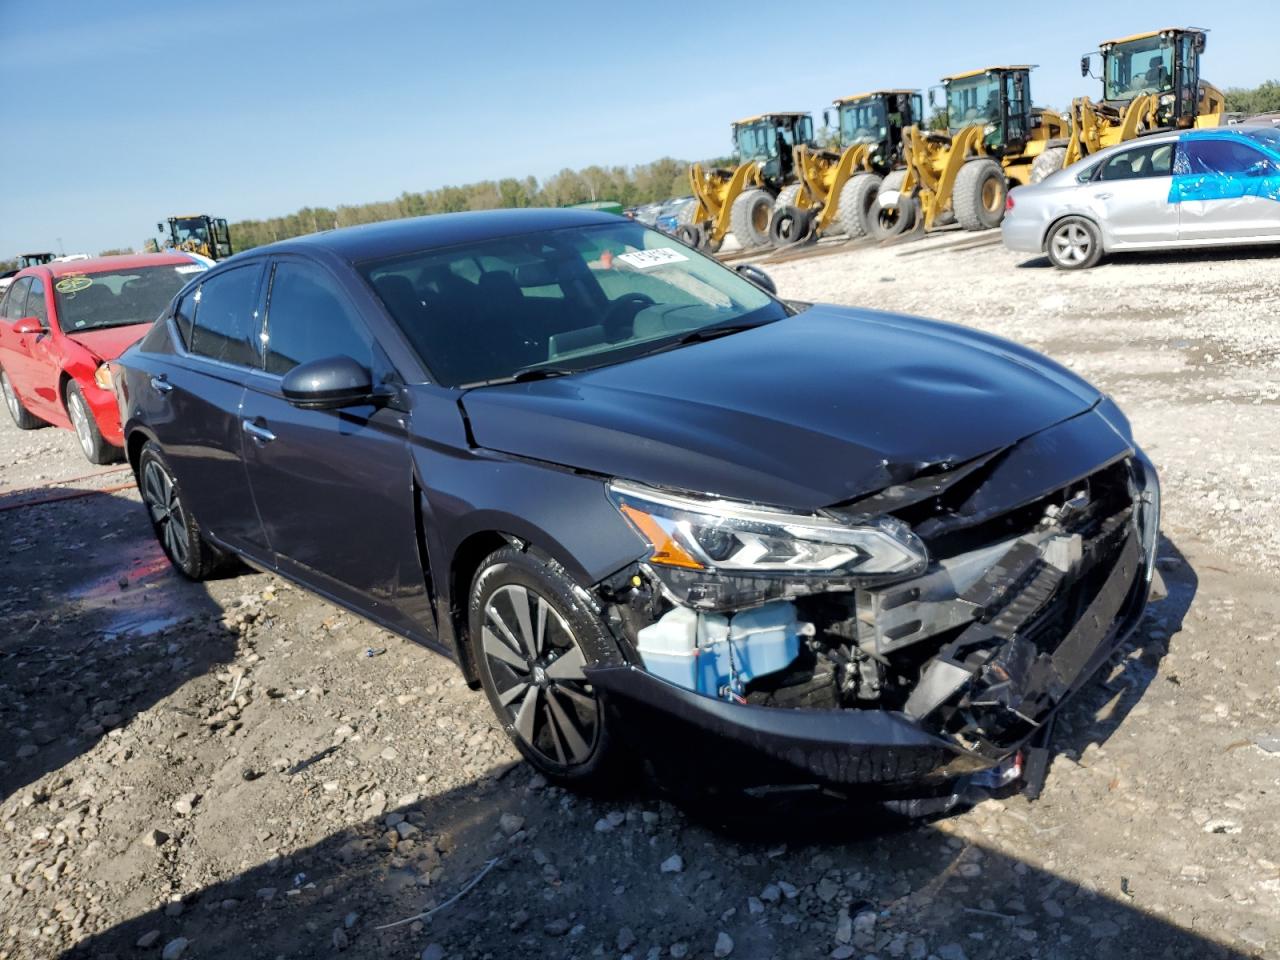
[(993, 138), (197, 233), (740, 201), (836, 188), (1150, 82)]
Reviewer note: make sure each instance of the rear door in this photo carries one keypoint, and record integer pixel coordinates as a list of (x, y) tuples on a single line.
[(1226, 190), (194, 401), (1130, 195), (335, 487), (15, 348)]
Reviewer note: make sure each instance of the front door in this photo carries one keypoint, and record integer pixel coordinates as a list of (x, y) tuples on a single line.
[(193, 401), (334, 487), (1226, 190), (1131, 195)]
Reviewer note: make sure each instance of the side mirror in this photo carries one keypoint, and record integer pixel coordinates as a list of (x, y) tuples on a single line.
[(159, 228), (933, 96), (757, 276), (329, 384), (826, 118), (1199, 42), (28, 325), (1084, 66)]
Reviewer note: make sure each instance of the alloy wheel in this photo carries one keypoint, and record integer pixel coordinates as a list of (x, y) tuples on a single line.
[(10, 398), (160, 494), (80, 420), (1072, 244), (536, 666)]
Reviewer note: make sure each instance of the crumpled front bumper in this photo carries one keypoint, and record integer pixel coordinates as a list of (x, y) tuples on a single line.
[(875, 751)]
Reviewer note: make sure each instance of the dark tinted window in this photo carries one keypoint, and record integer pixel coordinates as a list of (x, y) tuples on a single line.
[(36, 304), (16, 298), (1155, 160), (226, 325), (1217, 156), (183, 314), (309, 318)]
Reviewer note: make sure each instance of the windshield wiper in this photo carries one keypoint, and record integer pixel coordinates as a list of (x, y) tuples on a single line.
[(703, 334), (524, 375)]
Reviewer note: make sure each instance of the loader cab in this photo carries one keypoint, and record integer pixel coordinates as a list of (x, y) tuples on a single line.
[(33, 260), (878, 119), (197, 233), (769, 138), (1164, 63), (999, 100)]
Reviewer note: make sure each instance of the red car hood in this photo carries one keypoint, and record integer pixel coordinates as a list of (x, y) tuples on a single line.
[(110, 343)]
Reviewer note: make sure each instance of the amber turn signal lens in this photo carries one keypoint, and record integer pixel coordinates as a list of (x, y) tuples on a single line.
[(666, 550)]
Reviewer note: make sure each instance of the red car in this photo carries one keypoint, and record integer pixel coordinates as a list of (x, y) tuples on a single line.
[(59, 325)]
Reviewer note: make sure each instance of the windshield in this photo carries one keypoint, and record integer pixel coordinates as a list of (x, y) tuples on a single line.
[(973, 100), (756, 141), (92, 301), (564, 299), (1138, 67), (863, 121), (1267, 136)]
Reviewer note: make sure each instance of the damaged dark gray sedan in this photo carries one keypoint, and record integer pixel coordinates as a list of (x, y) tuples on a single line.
[(653, 510)]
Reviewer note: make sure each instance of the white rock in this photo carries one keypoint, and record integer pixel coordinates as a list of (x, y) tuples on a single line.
[(673, 864)]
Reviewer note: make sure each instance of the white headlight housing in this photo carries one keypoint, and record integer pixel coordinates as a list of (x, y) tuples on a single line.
[(728, 537)]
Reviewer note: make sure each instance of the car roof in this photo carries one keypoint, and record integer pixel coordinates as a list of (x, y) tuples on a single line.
[(392, 237), (126, 261)]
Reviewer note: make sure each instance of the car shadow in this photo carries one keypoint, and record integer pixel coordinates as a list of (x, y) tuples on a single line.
[(1191, 255), (507, 867), (88, 645)]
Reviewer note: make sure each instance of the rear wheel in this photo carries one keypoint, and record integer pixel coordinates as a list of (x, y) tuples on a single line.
[(1074, 244), (749, 218), (174, 525), (531, 635), (23, 419), (979, 194), (96, 449), (1048, 162), (856, 212)]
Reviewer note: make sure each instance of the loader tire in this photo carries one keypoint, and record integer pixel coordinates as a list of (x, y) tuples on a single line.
[(788, 196), (690, 234), (857, 208), (749, 218), (899, 217), (790, 226), (979, 194), (1048, 162)]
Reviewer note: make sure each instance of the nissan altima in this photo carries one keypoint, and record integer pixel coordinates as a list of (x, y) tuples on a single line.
[(652, 509), (1197, 188)]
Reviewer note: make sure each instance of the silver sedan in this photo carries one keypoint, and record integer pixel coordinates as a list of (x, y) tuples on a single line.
[(1209, 187)]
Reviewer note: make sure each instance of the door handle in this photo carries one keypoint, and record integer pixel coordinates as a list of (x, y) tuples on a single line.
[(257, 431), (1102, 196), (161, 384)]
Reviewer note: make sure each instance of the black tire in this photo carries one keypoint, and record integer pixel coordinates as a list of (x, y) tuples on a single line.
[(690, 234), (23, 419), (174, 525), (557, 721), (898, 217), (749, 218), (789, 226), (95, 448), (979, 194), (1049, 162), (856, 210), (1073, 243)]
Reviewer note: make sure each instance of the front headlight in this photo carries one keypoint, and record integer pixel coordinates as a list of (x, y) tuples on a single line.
[(709, 552), (102, 376)]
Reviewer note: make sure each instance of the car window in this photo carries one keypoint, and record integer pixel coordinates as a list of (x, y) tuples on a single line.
[(309, 318), (1220, 156), (183, 314), (1153, 160), (16, 299), (225, 325), (37, 306)]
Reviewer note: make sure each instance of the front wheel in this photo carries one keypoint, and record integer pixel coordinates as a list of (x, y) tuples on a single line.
[(173, 523), (96, 449), (531, 635), (1074, 244)]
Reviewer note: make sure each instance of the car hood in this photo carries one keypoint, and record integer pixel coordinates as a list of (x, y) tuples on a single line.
[(818, 408), (109, 343)]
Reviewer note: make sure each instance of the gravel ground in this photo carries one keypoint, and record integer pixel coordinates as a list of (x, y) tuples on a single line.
[(238, 769)]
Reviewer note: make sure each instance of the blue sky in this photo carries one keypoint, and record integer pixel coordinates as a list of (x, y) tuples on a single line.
[(245, 110)]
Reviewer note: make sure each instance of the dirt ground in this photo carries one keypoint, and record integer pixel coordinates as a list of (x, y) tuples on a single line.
[(238, 769)]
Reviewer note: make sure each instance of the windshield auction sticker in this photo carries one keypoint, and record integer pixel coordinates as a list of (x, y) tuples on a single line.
[(648, 259), (73, 284)]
